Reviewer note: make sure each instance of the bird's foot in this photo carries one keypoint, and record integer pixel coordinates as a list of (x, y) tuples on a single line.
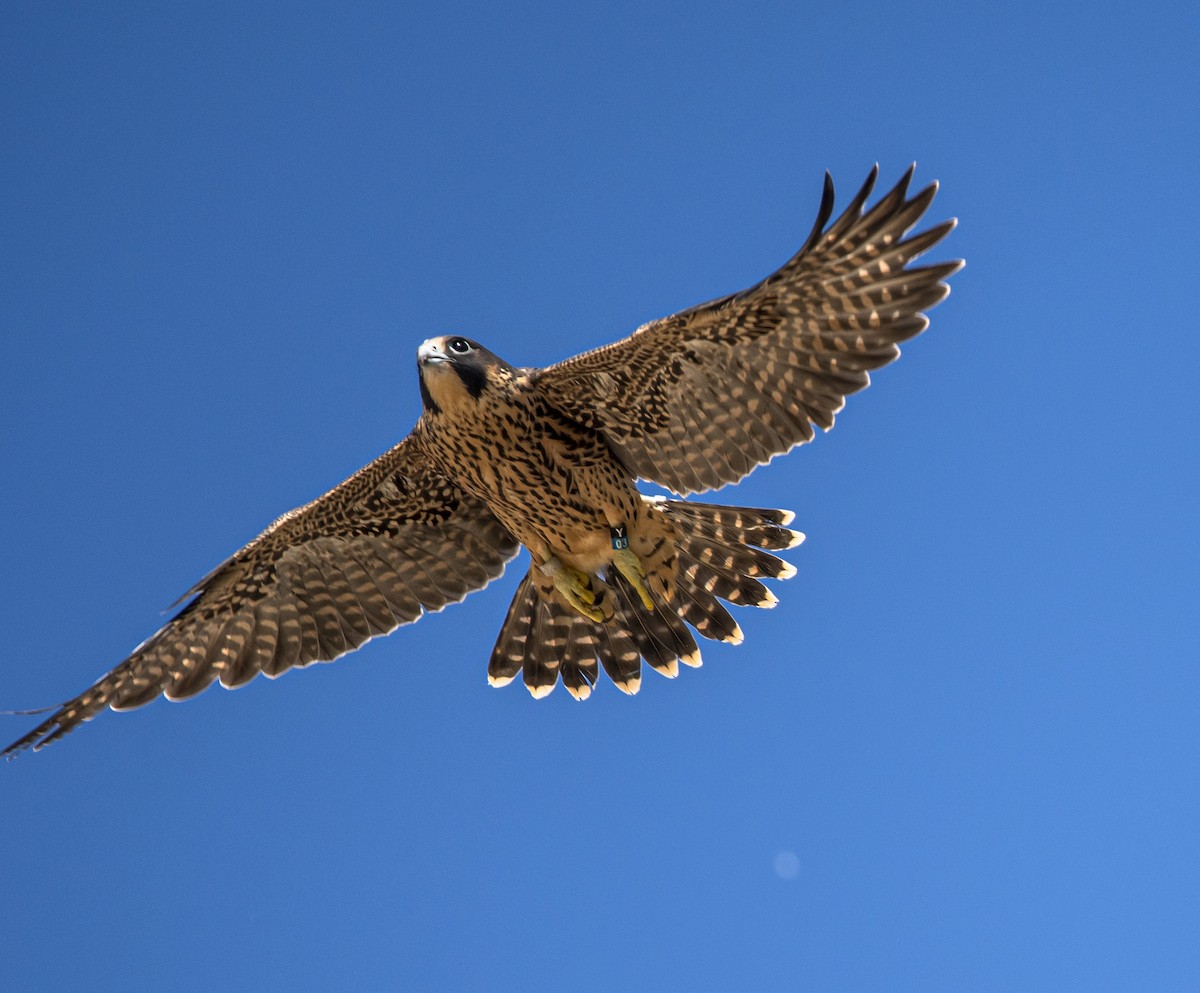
[(575, 587), (630, 566)]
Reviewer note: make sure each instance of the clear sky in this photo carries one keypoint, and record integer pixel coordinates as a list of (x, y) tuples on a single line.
[(962, 752)]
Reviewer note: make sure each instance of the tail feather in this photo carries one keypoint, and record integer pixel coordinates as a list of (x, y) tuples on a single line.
[(514, 642), (620, 657), (547, 640), (735, 526), (579, 667), (662, 638), (744, 559), (728, 584), (708, 616), (721, 554)]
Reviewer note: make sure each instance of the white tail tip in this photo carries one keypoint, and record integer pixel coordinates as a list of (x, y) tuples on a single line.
[(537, 692)]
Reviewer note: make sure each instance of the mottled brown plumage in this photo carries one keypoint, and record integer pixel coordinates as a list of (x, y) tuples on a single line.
[(548, 459)]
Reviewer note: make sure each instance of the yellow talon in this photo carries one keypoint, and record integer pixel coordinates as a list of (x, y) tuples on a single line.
[(575, 587), (583, 588), (629, 566), (591, 613)]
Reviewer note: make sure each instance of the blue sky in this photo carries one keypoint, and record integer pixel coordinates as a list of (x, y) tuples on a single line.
[(968, 735)]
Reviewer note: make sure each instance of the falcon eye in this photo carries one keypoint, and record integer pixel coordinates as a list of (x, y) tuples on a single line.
[(459, 346)]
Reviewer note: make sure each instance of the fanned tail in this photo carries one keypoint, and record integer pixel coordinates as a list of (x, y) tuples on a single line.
[(721, 554)]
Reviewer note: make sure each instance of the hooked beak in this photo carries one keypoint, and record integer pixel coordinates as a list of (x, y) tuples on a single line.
[(431, 353)]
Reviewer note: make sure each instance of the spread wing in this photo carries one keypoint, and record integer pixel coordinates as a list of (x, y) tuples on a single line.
[(699, 399), (391, 541)]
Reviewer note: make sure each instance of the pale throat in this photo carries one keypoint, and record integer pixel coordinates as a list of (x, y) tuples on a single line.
[(448, 390)]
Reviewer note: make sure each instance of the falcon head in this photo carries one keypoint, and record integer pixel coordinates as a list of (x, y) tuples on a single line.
[(454, 370)]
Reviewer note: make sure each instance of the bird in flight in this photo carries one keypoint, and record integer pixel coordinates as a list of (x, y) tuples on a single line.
[(503, 457)]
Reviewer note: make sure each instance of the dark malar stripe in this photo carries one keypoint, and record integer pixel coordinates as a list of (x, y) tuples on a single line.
[(473, 377)]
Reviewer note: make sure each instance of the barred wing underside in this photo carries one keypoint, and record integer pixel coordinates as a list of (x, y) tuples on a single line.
[(392, 541), (699, 399)]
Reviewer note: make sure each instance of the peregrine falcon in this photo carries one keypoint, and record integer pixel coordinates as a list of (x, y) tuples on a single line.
[(504, 457)]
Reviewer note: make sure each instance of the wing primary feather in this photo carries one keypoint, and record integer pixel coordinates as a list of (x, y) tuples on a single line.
[(824, 212), (853, 211)]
